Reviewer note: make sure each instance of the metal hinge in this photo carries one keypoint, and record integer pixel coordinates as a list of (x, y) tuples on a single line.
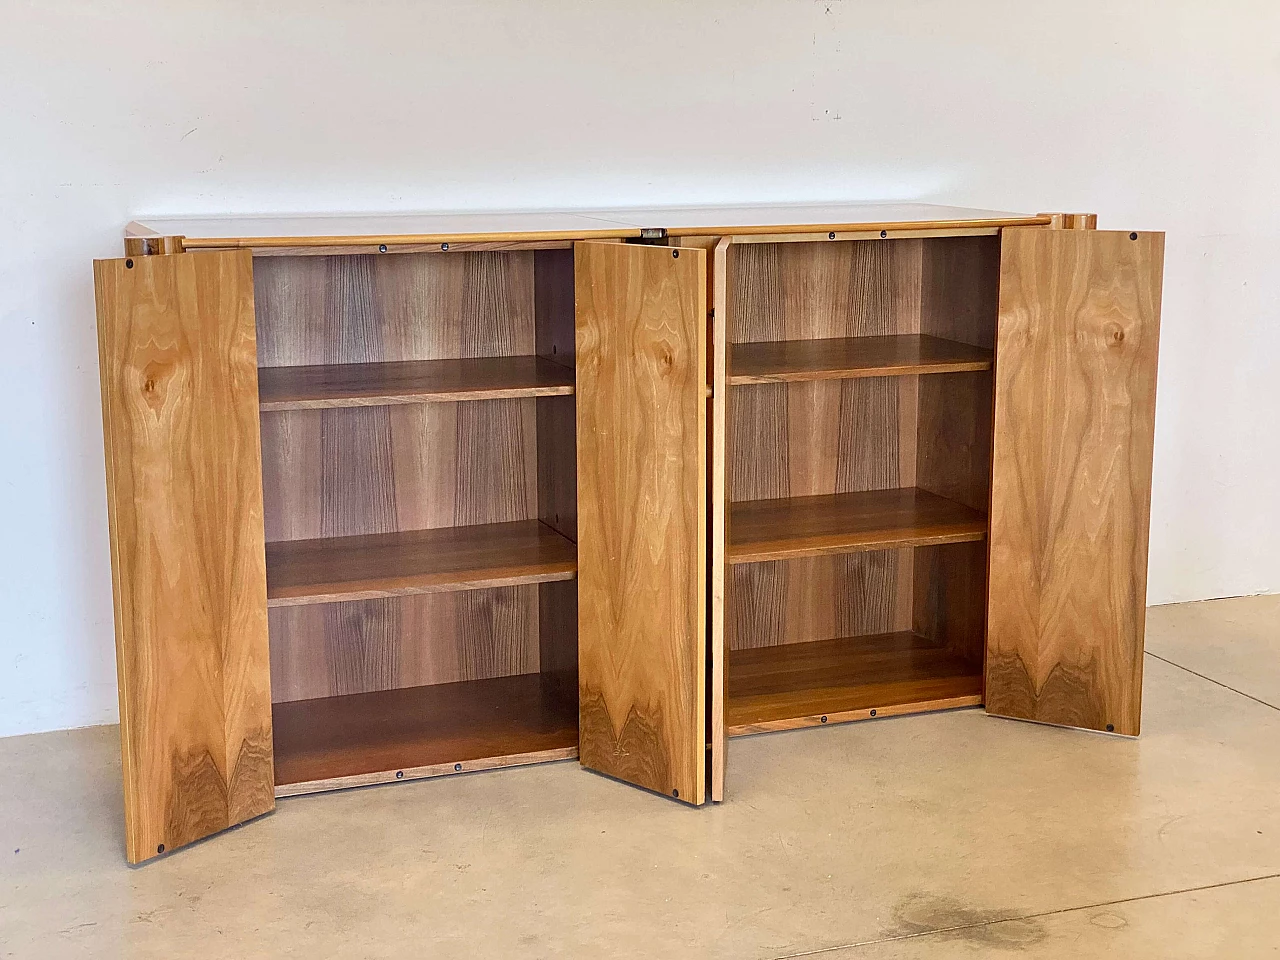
[(651, 235)]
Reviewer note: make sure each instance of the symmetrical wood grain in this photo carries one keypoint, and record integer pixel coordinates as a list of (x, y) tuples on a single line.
[(416, 561), (411, 381), (422, 731), (801, 684), (329, 649), (1075, 406), (793, 527), (845, 358), (641, 367), (184, 491)]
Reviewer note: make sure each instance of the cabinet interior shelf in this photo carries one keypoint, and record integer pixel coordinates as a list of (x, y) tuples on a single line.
[(423, 731), (411, 381), (417, 561), (802, 684), (841, 358), (791, 527)]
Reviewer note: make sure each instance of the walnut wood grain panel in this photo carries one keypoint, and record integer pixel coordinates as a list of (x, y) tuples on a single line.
[(558, 629), (411, 381), (804, 291), (794, 527), (771, 687), (960, 301), (844, 358), (553, 305), (808, 439), (416, 561), (473, 722), (184, 491), (641, 367), (371, 309), (818, 598), (1075, 407), (329, 649), (820, 437), (949, 603), (366, 470), (556, 416)]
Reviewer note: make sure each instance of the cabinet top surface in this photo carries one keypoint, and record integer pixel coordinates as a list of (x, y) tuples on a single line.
[(281, 231)]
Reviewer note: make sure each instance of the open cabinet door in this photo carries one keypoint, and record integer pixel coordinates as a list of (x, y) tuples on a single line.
[(641, 398), (1071, 475), (184, 494)]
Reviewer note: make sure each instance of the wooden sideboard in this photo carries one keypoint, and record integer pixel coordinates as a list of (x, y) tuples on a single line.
[(402, 497)]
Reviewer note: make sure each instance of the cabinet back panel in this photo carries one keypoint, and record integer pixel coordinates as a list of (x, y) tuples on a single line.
[(819, 598), (368, 309), (821, 437), (843, 436), (936, 592), (328, 649), (357, 470), (802, 291)]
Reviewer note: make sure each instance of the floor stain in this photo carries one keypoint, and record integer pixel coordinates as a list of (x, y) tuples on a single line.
[(948, 919)]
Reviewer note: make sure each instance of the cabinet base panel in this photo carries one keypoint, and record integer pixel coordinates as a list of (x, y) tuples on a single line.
[(851, 678), (423, 773), (430, 731)]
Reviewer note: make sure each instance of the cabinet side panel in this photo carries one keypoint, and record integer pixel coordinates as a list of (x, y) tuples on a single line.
[(641, 348), (1071, 482), (184, 485)]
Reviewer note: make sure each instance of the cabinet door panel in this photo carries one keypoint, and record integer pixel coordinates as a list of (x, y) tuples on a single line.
[(641, 405), (1071, 480), (184, 494)]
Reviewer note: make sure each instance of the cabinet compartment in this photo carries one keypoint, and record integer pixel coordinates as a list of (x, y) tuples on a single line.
[(860, 413), (418, 451)]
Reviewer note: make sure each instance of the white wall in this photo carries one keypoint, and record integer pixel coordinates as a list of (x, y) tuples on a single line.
[(1157, 114)]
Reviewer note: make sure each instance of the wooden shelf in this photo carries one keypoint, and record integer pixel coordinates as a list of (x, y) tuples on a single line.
[(791, 527), (411, 381), (830, 681), (843, 358), (428, 731), (416, 561)]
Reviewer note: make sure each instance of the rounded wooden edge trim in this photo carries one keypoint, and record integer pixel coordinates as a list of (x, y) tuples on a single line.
[(792, 550), (455, 396), (890, 226), (447, 769), (300, 596), (375, 241), (861, 373)]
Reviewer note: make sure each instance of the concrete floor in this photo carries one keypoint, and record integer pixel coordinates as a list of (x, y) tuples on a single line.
[(953, 836)]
